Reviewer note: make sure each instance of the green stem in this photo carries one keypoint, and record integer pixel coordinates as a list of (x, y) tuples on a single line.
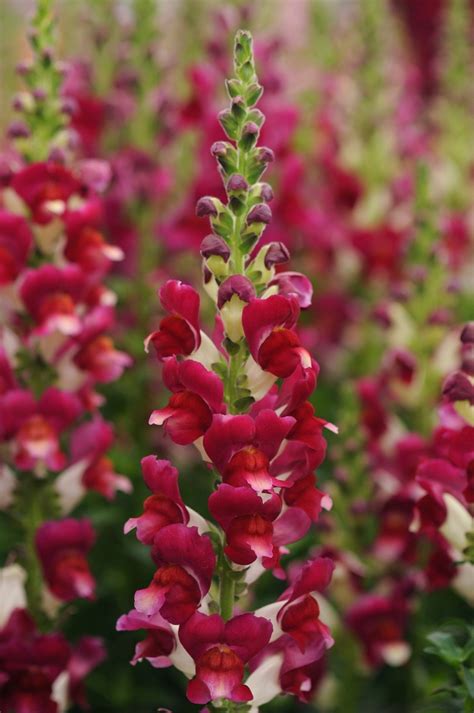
[(32, 517), (226, 595)]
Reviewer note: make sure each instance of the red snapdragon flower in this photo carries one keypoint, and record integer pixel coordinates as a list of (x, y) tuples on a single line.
[(30, 663), (268, 326), (46, 189), (159, 642), (380, 623), (241, 447), (16, 241), (255, 527), (164, 507), (185, 561), (86, 245), (62, 547), (52, 296), (89, 444), (221, 650), (34, 427), (179, 332), (197, 395)]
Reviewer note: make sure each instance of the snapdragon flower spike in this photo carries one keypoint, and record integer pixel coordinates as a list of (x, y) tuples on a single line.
[(56, 316), (242, 398)]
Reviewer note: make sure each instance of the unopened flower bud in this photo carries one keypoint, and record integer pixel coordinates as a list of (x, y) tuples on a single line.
[(57, 155), (206, 206), (457, 387), (467, 363), (228, 123), (260, 158), (260, 213), (276, 254), (47, 54), (467, 334), (237, 184), (213, 245), (234, 87), (233, 294), (220, 148), (18, 130), (226, 156), (265, 155), (68, 106), (250, 134), (23, 68), (20, 101), (265, 192), (238, 108), (253, 94), (39, 94)]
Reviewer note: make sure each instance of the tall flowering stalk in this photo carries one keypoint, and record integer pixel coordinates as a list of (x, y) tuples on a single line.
[(54, 351), (242, 399)]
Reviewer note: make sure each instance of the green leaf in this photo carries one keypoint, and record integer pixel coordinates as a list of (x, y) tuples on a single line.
[(468, 674), (445, 647)]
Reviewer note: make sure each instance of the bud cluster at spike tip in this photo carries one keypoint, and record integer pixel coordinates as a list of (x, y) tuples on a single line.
[(55, 350), (241, 397)]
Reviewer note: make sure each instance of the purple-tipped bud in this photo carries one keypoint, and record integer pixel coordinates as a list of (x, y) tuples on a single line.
[(39, 94), (250, 129), (47, 54), (57, 155), (249, 136), (277, 253), (22, 68), (68, 106), (260, 213), (18, 103), (440, 316), (214, 245), (266, 192), (206, 207), (467, 364), (265, 155), (238, 107), (237, 183), (467, 334), (235, 285), (18, 130), (457, 387), (219, 148)]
